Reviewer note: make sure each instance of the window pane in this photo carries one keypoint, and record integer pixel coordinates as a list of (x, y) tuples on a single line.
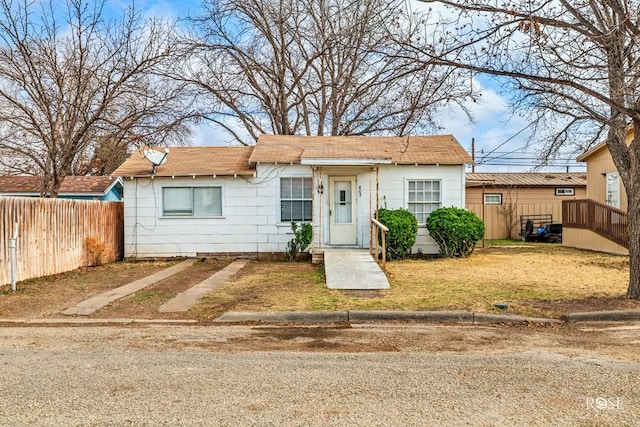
[(285, 188), (207, 201), (296, 188), (307, 211), (423, 198), (296, 210), (296, 199), (308, 191), (431, 207), (285, 210), (176, 201)]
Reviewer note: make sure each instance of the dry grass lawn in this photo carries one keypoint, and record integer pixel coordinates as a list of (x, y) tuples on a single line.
[(535, 280)]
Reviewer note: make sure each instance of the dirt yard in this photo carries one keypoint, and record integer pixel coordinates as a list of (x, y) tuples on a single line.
[(537, 280)]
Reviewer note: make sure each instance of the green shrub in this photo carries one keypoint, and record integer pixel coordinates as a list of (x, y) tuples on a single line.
[(301, 240), (455, 230), (403, 228)]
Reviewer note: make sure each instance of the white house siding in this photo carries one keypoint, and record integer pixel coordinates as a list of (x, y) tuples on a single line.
[(250, 221), (392, 194), (452, 193)]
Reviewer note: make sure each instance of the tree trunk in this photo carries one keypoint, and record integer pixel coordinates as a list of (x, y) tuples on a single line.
[(633, 227), (630, 172), (633, 218)]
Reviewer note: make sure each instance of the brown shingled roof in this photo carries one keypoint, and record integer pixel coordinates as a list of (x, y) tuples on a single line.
[(86, 184), (424, 150), (20, 184), (70, 185), (189, 161), (530, 179)]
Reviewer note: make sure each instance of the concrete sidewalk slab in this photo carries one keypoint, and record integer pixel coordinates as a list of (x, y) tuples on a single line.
[(189, 298), (353, 269), (93, 304)]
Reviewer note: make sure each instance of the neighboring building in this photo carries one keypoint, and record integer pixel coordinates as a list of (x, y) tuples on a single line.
[(605, 185), (212, 200), (104, 188), (599, 222), (501, 198)]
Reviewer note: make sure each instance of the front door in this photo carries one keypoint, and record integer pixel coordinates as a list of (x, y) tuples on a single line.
[(342, 210), (613, 189)]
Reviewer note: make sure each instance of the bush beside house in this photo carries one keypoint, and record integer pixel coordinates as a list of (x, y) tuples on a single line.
[(455, 230), (403, 229)]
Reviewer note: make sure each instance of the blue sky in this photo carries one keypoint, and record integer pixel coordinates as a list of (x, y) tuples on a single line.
[(496, 132)]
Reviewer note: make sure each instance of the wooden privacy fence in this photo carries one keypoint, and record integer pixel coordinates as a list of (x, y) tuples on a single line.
[(495, 223), (58, 235)]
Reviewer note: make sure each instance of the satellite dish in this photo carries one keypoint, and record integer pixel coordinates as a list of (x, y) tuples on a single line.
[(156, 158)]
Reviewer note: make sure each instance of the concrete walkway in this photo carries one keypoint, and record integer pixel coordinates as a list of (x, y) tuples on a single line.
[(93, 304), (187, 299), (353, 269)]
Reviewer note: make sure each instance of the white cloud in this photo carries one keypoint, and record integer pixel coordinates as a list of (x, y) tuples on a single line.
[(208, 134)]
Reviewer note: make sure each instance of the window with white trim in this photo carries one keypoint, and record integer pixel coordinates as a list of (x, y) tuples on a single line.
[(296, 199), (192, 201), (493, 199), (424, 197), (565, 191)]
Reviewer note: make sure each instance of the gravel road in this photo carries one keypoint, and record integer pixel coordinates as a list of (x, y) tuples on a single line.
[(369, 376)]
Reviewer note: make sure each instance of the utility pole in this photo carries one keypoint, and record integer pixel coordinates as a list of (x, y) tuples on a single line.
[(473, 155)]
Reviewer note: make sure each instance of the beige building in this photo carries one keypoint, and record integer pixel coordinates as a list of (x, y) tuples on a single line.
[(605, 185), (599, 223), (500, 199)]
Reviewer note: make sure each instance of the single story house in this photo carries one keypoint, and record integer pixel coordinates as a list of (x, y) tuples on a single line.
[(103, 188), (241, 200), (500, 198), (599, 221)]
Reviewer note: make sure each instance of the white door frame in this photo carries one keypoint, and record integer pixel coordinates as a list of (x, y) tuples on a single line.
[(343, 225), (613, 189)]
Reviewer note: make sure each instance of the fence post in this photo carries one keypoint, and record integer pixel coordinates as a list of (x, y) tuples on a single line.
[(12, 255)]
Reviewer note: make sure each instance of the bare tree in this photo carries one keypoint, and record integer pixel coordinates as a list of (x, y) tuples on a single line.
[(574, 67), (508, 210), (66, 87), (319, 67)]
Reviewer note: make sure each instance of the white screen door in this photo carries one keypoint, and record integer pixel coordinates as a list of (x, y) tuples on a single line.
[(342, 229)]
